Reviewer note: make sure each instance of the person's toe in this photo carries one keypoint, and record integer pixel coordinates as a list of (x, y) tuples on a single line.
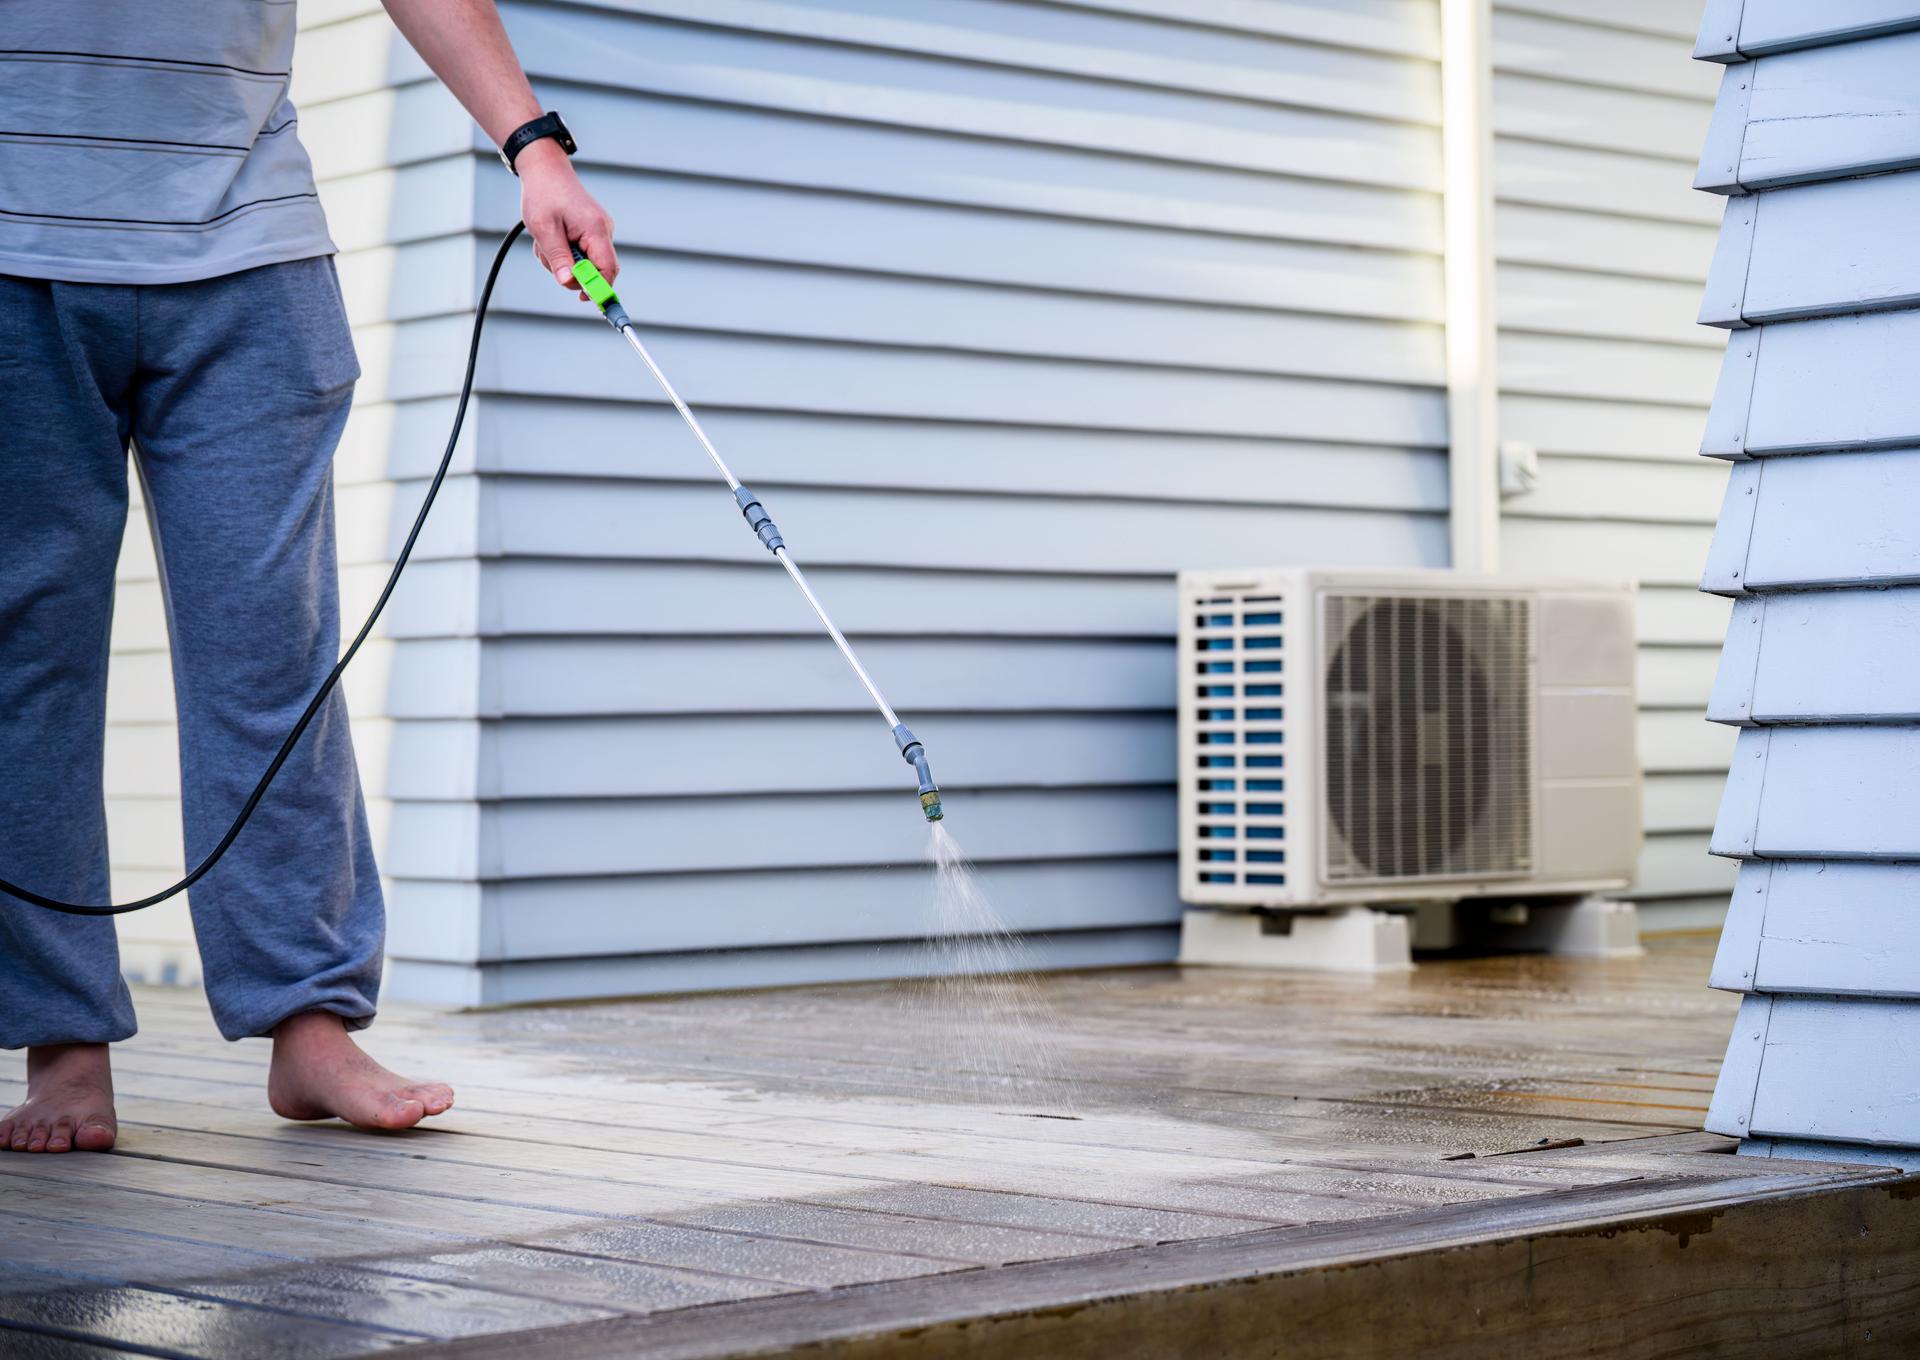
[(6, 1132), (434, 1097), (61, 1138), (37, 1137), (20, 1131), (95, 1134), (400, 1112)]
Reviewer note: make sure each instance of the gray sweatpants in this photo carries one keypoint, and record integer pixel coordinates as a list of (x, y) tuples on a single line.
[(232, 392)]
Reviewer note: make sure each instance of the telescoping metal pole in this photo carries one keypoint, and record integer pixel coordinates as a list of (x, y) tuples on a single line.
[(594, 284)]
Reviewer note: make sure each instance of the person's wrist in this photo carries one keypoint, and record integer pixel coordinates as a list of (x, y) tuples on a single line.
[(542, 157)]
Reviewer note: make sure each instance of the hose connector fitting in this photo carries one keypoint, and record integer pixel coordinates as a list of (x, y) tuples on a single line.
[(594, 284), (916, 755), (759, 520)]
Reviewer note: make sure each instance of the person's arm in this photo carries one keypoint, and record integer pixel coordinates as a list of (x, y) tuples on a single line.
[(464, 43)]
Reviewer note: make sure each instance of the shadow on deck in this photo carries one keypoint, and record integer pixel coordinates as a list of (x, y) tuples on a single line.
[(1150, 1162)]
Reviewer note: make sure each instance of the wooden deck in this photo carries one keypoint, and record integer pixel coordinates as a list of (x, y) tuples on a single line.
[(1224, 1163)]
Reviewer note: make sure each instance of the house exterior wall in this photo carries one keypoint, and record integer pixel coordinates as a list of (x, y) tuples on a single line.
[(1009, 310), (1816, 410), (1602, 251)]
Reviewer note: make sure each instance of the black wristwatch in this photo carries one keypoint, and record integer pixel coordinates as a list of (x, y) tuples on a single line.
[(546, 125)]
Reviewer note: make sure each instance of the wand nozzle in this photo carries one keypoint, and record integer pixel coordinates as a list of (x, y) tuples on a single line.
[(916, 755)]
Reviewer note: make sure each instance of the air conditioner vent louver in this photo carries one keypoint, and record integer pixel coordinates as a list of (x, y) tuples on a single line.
[(1238, 685), (1427, 736)]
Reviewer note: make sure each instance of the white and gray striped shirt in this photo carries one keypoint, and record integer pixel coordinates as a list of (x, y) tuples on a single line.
[(150, 141)]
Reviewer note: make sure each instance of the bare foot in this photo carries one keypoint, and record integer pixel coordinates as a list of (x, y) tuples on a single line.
[(320, 1073), (69, 1102)]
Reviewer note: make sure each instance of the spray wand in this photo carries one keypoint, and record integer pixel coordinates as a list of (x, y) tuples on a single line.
[(601, 292), (596, 287)]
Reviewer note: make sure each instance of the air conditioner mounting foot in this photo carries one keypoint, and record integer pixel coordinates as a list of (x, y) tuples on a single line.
[(1345, 940)]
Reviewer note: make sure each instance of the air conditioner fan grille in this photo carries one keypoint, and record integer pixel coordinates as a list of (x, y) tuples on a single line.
[(1428, 737)]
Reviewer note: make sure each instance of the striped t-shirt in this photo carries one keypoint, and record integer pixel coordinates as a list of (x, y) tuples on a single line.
[(150, 141)]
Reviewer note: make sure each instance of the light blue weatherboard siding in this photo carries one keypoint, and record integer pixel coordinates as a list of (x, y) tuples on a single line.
[(1008, 310), (1815, 409), (1600, 253)]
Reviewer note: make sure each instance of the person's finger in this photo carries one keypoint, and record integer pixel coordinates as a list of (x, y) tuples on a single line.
[(550, 244), (596, 238)]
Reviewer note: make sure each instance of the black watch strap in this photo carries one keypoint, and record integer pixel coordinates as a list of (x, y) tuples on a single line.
[(546, 125)]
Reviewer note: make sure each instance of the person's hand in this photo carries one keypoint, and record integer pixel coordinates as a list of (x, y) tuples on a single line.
[(558, 211)]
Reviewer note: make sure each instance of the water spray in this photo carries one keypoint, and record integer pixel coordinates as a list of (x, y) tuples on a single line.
[(595, 286)]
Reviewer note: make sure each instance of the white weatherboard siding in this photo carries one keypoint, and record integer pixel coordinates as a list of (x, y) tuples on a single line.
[(1816, 545), (1601, 256), (1009, 310)]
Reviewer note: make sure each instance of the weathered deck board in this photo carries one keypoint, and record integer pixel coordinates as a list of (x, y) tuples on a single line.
[(681, 1162)]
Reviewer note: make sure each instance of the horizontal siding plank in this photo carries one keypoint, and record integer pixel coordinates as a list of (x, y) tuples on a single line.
[(712, 675), (1678, 865), (682, 756), (1578, 303), (1833, 792), (586, 677), (1405, 27), (1834, 1069), (1832, 519), (1624, 489), (1783, 25), (1565, 113), (1666, 554), (598, 838), (1634, 371), (535, 597), (551, 357), (1833, 248), (581, 979), (1682, 741), (1675, 677), (1836, 382), (1682, 802), (1574, 48), (526, 435), (557, 519), (1680, 616), (1826, 656), (628, 757), (1670, 916), (1565, 238), (1599, 428), (1595, 181), (1825, 926), (675, 913), (1827, 113), (1661, 17)]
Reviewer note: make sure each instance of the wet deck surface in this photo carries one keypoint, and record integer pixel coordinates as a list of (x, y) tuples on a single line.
[(615, 1162)]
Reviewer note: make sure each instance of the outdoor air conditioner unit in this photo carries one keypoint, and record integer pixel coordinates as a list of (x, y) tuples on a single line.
[(1357, 738)]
